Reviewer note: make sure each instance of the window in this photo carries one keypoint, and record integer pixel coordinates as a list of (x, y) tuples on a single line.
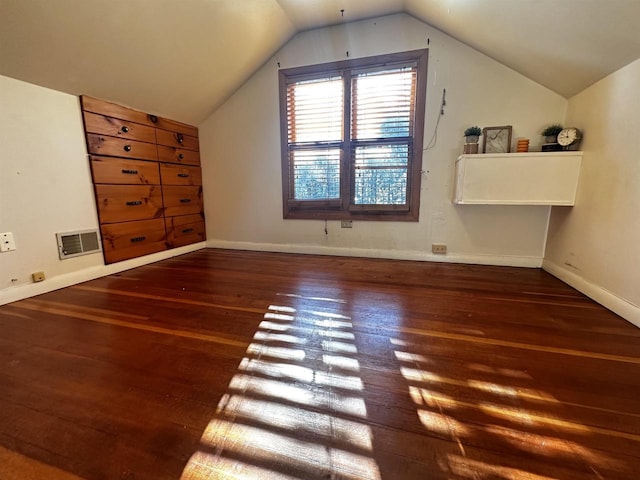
[(352, 138)]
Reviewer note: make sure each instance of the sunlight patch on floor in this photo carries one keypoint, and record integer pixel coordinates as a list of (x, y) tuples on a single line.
[(289, 453), (464, 467), (209, 466), (300, 394), (278, 316), (320, 313), (279, 337), (299, 421), (337, 334), (441, 423), (282, 308), (345, 363), (543, 443), (456, 418), (293, 409), (259, 349), (315, 299)]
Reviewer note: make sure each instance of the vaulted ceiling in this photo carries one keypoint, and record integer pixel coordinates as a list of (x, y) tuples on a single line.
[(183, 58)]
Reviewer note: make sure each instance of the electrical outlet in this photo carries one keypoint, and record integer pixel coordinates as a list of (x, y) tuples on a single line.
[(438, 248), (7, 243), (38, 276), (346, 223)]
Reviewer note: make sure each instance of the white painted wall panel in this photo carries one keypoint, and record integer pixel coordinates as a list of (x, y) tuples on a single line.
[(595, 245), (45, 180), (240, 146)]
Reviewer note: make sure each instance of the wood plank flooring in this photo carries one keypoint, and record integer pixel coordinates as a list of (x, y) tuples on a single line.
[(244, 365)]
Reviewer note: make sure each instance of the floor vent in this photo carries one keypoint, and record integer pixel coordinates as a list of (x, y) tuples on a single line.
[(74, 244)]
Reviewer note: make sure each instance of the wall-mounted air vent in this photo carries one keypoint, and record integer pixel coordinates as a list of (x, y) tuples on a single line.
[(74, 244)]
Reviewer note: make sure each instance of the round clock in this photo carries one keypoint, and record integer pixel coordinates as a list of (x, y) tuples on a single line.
[(569, 136)]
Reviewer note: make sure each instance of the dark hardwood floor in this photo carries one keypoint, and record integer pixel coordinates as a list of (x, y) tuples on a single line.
[(231, 364)]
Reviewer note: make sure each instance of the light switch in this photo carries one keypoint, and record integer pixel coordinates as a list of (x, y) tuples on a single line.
[(6, 242)]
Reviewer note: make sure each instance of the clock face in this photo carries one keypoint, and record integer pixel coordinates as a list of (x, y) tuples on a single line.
[(568, 136)]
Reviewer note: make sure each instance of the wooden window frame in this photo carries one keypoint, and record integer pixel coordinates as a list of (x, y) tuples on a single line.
[(343, 208)]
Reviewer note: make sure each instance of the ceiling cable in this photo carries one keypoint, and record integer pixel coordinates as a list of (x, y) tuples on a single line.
[(434, 137)]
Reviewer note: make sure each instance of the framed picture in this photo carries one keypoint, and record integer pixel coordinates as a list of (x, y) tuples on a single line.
[(496, 139)]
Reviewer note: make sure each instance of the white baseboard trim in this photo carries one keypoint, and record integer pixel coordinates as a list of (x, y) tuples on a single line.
[(499, 260), (604, 297), (13, 294)]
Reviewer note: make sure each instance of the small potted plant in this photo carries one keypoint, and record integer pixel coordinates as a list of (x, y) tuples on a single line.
[(471, 137), (472, 134), (550, 133)]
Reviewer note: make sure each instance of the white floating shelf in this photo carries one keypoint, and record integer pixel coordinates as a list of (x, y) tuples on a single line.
[(534, 178)]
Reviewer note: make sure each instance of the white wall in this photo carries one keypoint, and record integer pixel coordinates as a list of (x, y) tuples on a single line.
[(45, 188), (45, 181), (595, 246), (241, 152)]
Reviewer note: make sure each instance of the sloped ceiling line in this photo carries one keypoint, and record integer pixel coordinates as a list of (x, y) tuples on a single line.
[(182, 59)]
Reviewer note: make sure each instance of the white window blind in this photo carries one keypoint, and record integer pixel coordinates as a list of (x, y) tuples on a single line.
[(382, 105), (315, 110), (315, 130)]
